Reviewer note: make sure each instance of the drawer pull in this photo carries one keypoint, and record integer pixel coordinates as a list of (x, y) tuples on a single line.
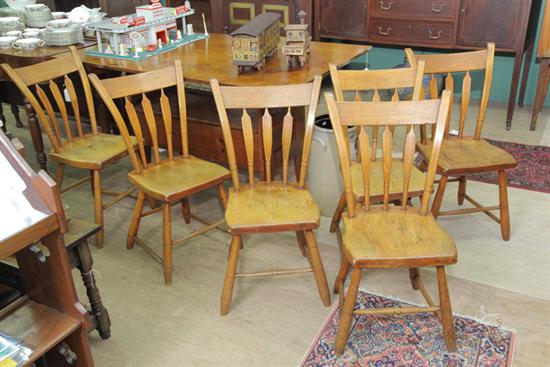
[(434, 37), (384, 33), (383, 6), (437, 9)]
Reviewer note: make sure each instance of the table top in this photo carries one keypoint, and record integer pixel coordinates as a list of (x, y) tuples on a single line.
[(211, 58), (17, 58)]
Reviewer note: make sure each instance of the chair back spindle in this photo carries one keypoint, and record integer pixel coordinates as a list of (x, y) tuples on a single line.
[(449, 65), (148, 89), (386, 115), (50, 80), (358, 81), (263, 99)]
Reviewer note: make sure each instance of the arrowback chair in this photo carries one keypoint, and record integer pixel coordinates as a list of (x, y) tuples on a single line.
[(270, 205), (377, 81), (461, 154), (92, 151), (172, 179), (386, 236)]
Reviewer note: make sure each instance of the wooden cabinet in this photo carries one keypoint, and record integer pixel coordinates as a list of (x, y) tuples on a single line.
[(338, 21), (228, 15), (498, 21), (446, 24)]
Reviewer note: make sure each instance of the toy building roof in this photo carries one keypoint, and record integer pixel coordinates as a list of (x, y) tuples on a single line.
[(257, 25), (296, 27)]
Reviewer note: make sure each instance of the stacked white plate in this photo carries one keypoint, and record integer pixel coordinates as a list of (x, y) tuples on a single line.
[(63, 36), (37, 18)]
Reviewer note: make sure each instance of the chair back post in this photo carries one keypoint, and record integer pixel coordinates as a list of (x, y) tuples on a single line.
[(182, 107), (308, 135), (119, 120), (87, 89), (486, 89), (263, 98), (387, 115)]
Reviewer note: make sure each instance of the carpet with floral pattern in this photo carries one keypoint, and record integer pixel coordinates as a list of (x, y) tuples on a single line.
[(532, 172), (409, 340)]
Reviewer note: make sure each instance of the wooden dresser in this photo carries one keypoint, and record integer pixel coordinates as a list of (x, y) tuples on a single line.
[(444, 24)]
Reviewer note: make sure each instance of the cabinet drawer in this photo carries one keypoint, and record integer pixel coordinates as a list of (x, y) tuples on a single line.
[(397, 31), (433, 9)]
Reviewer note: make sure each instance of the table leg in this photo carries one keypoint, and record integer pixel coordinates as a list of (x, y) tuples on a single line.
[(542, 88), (15, 111), (525, 76), (36, 135), (513, 89), (100, 312), (3, 118)]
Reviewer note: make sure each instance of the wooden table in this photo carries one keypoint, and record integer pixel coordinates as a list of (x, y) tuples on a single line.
[(10, 94), (211, 58)]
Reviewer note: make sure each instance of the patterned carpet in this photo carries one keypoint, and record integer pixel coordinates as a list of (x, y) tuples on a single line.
[(532, 172), (409, 340)]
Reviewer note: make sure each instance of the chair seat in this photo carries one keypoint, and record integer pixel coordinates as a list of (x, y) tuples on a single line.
[(271, 208), (416, 183), (171, 180), (466, 155), (395, 238), (92, 151)]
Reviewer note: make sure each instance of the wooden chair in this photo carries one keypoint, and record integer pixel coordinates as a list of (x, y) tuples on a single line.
[(388, 236), (271, 205), (92, 151), (377, 81), (462, 155), (170, 180)]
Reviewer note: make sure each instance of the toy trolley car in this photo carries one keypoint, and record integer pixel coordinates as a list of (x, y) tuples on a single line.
[(255, 41), (297, 43)]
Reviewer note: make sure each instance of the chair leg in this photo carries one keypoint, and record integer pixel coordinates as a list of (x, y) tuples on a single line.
[(338, 213), (439, 195), (223, 195), (504, 211), (461, 189), (317, 265), (302, 242), (414, 275), (186, 210), (59, 175), (98, 201), (342, 275), (167, 243), (446, 311), (346, 313), (136, 218), (227, 292)]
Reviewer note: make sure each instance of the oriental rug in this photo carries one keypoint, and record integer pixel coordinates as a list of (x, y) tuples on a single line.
[(532, 172), (408, 340)]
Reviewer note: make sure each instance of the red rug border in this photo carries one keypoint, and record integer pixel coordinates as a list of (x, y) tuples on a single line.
[(334, 308)]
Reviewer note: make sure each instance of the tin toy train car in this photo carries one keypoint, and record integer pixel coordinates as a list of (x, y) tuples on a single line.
[(255, 41)]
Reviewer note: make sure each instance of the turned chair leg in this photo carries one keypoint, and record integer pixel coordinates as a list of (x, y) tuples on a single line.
[(446, 310), (461, 190), (223, 195), (414, 276), (227, 292), (438, 199), (346, 313), (338, 213), (136, 219), (504, 210), (167, 243), (186, 210), (302, 242), (318, 269), (59, 172), (342, 275), (98, 203)]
